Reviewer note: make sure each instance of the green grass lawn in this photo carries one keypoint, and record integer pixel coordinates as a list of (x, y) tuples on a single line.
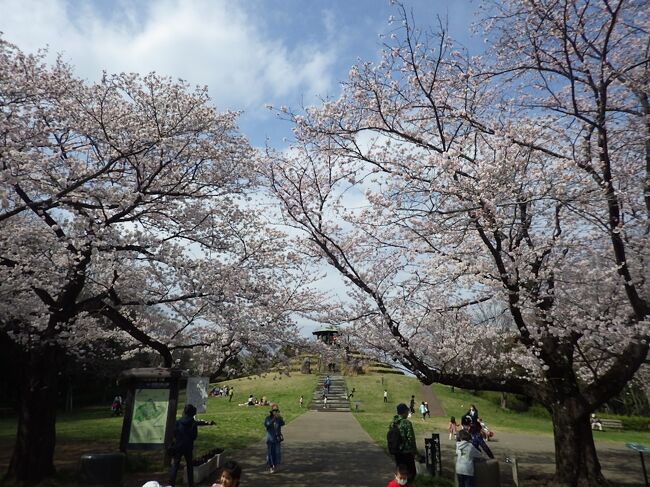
[(92, 429), (375, 416)]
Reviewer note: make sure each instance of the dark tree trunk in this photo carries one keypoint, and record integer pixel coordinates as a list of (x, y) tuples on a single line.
[(33, 455), (576, 460)]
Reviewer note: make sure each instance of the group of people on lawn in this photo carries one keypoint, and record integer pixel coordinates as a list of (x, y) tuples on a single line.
[(225, 391)]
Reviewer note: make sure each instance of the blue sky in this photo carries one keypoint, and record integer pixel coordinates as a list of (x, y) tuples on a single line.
[(249, 53)]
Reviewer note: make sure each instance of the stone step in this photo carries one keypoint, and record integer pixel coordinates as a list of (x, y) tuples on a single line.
[(332, 410), (337, 397)]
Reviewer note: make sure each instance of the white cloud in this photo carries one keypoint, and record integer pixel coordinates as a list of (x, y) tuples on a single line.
[(204, 42)]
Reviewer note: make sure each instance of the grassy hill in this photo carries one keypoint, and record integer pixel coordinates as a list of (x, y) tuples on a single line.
[(375, 416)]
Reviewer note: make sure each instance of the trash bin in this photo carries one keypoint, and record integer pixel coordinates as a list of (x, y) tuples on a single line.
[(102, 469), (486, 474)]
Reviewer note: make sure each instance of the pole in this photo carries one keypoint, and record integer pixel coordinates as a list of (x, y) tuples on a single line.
[(645, 474)]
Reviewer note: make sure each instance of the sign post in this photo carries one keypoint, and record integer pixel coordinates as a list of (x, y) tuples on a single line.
[(432, 454), (151, 403)]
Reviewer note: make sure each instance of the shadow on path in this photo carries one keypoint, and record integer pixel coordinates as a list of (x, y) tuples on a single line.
[(319, 449)]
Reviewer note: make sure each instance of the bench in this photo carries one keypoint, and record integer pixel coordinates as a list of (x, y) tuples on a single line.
[(613, 424)]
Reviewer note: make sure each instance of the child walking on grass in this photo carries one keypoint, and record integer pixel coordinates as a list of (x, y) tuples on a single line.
[(452, 428)]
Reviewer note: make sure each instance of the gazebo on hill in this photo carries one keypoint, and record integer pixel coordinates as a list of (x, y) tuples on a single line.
[(327, 335)]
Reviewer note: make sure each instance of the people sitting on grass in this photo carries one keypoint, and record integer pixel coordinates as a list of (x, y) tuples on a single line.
[(219, 391), (253, 401)]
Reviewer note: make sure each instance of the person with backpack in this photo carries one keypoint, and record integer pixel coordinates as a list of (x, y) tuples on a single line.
[(401, 440), (185, 433)]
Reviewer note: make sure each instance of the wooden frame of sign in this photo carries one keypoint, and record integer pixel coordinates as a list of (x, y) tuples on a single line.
[(150, 409)]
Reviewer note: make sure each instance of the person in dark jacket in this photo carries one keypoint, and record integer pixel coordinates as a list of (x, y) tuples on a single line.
[(184, 435), (472, 414), (407, 451)]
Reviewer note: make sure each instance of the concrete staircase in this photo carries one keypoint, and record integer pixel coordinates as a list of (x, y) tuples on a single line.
[(337, 399)]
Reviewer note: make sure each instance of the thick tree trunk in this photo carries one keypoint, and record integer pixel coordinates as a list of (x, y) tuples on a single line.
[(576, 460), (33, 455)]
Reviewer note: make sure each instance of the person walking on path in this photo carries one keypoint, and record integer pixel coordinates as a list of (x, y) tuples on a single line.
[(426, 407), (385, 396), (466, 453), (423, 411), (185, 433), (273, 424), (407, 450), (328, 383), (302, 401), (230, 394), (412, 405)]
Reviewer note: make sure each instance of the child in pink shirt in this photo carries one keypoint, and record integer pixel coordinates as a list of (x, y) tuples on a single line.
[(452, 428)]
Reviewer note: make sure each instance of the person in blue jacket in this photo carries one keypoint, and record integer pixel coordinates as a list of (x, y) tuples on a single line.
[(273, 424), (185, 433)]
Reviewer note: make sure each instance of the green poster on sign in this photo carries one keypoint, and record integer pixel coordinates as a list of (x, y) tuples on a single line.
[(149, 416)]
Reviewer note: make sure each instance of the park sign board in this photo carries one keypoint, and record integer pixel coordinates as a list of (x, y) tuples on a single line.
[(197, 393), (150, 408), (150, 411)]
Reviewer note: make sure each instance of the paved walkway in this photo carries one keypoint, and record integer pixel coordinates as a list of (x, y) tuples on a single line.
[(319, 449), (435, 408)]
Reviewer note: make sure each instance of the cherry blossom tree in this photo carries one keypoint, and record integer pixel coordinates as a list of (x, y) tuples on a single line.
[(126, 214), (439, 183)]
